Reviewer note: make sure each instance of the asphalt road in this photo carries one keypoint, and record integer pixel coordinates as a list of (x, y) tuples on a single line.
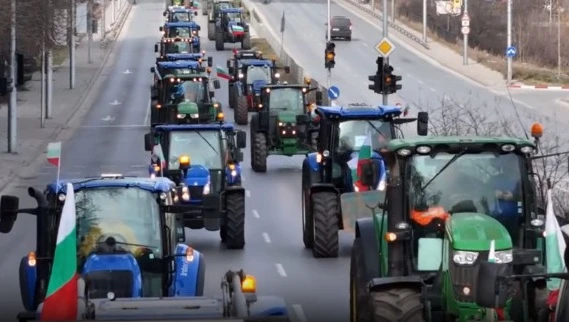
[(424, 84), (110, 140)]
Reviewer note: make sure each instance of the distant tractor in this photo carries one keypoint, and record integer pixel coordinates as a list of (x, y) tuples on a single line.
[(179, 14), (169, 46), (280, 127), (230, 27), (188, 29), (214, 11)]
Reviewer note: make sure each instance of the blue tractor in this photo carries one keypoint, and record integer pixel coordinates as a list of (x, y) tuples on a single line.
[(336, 167), (179, 14), (203, 160), (186, 30), (231, 27)]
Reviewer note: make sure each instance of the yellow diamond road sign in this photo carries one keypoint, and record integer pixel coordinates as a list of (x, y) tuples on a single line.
[(385, 47)]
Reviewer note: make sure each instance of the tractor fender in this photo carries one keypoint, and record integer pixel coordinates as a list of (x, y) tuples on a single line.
[(254, 124), (187, 280), (312, 161), (365, 231), (324, 187), (232, 190), (380, 283)]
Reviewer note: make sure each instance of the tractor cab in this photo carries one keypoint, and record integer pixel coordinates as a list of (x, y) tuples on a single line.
[(129, 235), (182, 93), (279, 126), (179, 14), (183, 30), (178, 45), (216, 6), (203, 161), (231, 27), (450, 203)]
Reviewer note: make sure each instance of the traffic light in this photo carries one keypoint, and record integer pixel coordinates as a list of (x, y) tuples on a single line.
[(390, 80), (377, 79), (329, 55)]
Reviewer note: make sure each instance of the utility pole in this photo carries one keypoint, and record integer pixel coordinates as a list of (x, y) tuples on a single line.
[(90, 31), (114, 19), (13, 108), (559, 11), (49, 68), (385, 33), (509, 37), (424, 20), (329, 39), (393, 11), (43, 83), (465, 37), (71, 39)]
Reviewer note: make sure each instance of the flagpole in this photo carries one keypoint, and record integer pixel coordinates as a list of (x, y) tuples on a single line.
[(58, 171)]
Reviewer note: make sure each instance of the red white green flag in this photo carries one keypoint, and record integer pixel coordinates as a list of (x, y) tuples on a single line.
[(222, 73), (54, 153), (61, 298)]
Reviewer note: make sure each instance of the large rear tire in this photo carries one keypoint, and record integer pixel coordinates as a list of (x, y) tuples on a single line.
[(246, 42), (325, 211), (241, 112), (231, 96), (308, 178), (397, 305), (359, 295), (235, 221), (211, 31), (219, 42), (259, 153)]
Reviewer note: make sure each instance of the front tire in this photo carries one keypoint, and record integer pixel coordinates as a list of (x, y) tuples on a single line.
[(359, 295), (308, 178), (325, 211), (219, 42), (241, 112), (231, 98), (211, 31), (397, 305), (259, 153), (235, 221)]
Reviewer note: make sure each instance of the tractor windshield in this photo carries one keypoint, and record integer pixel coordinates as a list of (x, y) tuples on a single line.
[(203, 148), (130, 215), (258, 73), (234, 16), (182, 32), (178, 47), (290, 99), (353, 135), (485, 183), (181, 17), (193, 91)]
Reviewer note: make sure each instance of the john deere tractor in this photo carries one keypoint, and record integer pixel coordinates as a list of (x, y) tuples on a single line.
[(230, 26), (248, 76), (182, 93), (450, 203), (214, 11), (346, 137), (186, 30), (275, 127)]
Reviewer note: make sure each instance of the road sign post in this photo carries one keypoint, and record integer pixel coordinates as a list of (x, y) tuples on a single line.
[(465, 20), (509, 44)]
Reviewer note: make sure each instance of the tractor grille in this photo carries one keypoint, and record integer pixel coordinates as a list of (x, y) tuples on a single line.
[(196, 192), (100, 283), (465, 276)]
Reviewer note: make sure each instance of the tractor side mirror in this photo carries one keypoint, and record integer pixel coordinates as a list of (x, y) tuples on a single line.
[(148, 142), (228, 63), (8, 211), (210, 61), (156, 48), (199, 27), (152, 70), (491, 290), (212, 94), (180, 231), (302, 119), (216, 84), (164, 14), (422, 123), (161, 28), (230, 70), (241, 139), (369, 173), (238, 157), (319, 97), (287, 69)]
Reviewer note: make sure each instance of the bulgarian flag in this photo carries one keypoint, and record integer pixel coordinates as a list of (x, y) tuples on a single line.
[(222, 73), (363, 157), (554, 245), (54, 153), (61, 298)]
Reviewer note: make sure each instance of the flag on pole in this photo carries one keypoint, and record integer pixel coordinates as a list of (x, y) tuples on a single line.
[(283, 22), (54, 153), (61, 298), (222, 73), (554, 245)]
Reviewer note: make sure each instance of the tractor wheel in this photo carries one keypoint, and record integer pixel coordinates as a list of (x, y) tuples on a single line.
[(246, 42), (223, 233), (219, 42), (397, 305), (359, 295), (235, 221), (325, 211), (211, 31), (240, 111), (308, 178), (201, 277), (231, 97), (259, 153)]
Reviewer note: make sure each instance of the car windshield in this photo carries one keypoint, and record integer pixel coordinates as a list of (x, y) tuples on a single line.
[(130, 215), (485, 183), (234, 16), (353, 135), (290, 99), (183, 32), (340, 22), (181, 16), (203, 148), (256, 73), (178, 47)]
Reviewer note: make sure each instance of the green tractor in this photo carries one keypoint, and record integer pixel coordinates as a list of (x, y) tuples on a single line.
[(214, 11), (419, 244), (274, 126), (182, 93)]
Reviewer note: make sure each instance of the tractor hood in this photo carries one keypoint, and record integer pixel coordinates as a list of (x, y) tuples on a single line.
[(187, 107), (286, 117), (198, 175), (474, 231), (257, 85)]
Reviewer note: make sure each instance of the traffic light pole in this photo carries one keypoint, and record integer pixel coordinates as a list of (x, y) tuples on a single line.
[(328, 39), (385, 25), (12, 108)]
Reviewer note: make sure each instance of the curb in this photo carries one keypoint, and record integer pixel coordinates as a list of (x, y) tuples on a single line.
[(5, 183), (540, 87)]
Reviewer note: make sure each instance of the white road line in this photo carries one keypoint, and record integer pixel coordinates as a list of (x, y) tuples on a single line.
[(266, 238), (147, 116), (256, 214), (280, 269), (420, 81), (365, 44), (248, 193), (432, 89), (299, 312)]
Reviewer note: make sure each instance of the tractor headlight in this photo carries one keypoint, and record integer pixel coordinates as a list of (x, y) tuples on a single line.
[(185, 194), (194, 115), (163, 196), (181, 116), (61, 197), (233, 173), (241, 75), (381, 186), (504, 256), (207, 189), (152, 176), (277, 75), (464, 258)]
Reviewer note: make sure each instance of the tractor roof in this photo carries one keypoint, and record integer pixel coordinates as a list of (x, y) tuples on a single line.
[(158, 184), (185, 56), (256, 62), (411, 143), (196, 127), (248, 54), (190, 24), (232, 10), (359, 112), (189, 64), (180, 10), (170, 8)]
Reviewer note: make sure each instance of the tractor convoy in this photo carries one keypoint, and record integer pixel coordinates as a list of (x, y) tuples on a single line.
[(445, 229)]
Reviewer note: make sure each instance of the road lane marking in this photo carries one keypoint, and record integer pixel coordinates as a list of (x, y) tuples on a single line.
[(365, 44), (147, 116), (432, 89), (420, 82), (266, 238), (256, 214), (280, 269), (248, 193), (299, 312)]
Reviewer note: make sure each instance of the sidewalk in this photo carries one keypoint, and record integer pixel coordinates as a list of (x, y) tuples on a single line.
[(31, 138), (437, 52)]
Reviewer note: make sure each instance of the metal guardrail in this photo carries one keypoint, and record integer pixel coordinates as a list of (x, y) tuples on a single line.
[(392, 25)]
